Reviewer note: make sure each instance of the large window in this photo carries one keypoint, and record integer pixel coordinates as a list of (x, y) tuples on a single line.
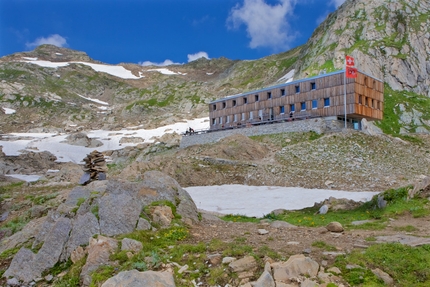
[(269, 95), (314, 104), (220, 120), (303, 106), (282, 92), (292, 108), (256, 98), (243, 117), (281, 109), (245, 100), (214, 107), (224, 105), (234, 103), (251, 116), (213, 121), (297, 89), (326, 102), (235, 118)]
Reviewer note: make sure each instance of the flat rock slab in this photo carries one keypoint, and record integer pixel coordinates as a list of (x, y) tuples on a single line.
[(404, 239)]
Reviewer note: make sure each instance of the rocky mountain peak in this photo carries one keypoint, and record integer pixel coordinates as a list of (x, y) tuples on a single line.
[(389, 40), (52, 53)]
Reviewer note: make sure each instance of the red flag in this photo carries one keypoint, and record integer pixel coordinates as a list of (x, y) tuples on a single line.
[(349, 61), (351, 72)]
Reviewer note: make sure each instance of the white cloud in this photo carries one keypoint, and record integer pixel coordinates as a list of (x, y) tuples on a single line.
[(267, 25), (336, 3), (162, 64), (54, 39), (196, 56)]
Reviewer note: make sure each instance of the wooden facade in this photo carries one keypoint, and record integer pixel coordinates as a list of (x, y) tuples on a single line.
[(320, 96)]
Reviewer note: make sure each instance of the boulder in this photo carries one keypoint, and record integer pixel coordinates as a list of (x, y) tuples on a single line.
[(131, 245), (162, 215), (26, 265), (119, 213), (247, 263), (83, 228), (134, 278), (99, 250), (143, 224), (265, 280), (334, 227), (81, 139), (295, 267)]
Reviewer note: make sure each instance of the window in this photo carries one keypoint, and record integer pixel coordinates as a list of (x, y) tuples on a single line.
[(227, 119), (297, 89), (234, 103), (303, 106), (256, 98), (224, 105), (214, 107), (220, 120), (374, 84), (243, 117), (235, 118), (314, 104), (282, 92), (313, 86), (245, 100), (292, 108), (326, 102), (365, 81), (281, 109), (360, 99), (213, 121), (251, 116), (269, 95)]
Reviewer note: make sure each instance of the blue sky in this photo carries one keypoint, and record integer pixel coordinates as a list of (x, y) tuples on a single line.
[(161, 31)]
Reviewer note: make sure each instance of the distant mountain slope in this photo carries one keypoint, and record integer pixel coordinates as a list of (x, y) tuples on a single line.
[(390, 39)]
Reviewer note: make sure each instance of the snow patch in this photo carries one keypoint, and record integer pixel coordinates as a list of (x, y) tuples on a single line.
[(8, 111), (117, 71), (163, 71), (288, 77), (94, 100), (246, 200)]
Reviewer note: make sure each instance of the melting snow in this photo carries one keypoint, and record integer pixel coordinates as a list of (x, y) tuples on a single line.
[(288, 77), (8, 111), (163, 71), (16, 142), (261, 200), (117, 71), (95, 100)]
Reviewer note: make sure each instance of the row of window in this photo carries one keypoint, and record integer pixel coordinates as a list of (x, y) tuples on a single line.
[(257, 97), (369, 102), (292, 109)]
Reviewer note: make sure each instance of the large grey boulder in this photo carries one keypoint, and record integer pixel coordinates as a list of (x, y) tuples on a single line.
[(83, 228), (119, 213), (27, 266), (81, 139), (135, 278)]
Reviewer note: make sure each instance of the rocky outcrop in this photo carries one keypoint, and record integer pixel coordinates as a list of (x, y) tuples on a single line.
[(102, 207), (81, 139), (135, 278), (389, 40)]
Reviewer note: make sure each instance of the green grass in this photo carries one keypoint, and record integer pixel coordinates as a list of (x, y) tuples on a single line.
[(408, 266)]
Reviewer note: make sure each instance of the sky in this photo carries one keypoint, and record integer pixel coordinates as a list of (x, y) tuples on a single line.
[(161, 32)]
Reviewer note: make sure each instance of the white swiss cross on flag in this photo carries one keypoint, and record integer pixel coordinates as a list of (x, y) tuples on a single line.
[(350, 70), (349, 61)]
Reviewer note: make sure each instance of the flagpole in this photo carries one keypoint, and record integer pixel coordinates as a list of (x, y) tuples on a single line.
[(344, 91)]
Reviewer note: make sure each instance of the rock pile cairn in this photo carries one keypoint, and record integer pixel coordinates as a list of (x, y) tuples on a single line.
[(95, 167)]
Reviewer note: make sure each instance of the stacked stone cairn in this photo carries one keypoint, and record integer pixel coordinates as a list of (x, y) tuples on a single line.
[(95, 168)]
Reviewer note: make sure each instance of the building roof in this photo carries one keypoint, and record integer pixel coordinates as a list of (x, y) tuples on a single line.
[(284, 85)]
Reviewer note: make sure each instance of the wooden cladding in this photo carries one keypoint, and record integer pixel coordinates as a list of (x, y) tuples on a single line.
[(321, 96)]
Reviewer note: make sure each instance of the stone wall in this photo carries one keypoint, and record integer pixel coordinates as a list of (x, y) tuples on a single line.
[(318, 125)]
